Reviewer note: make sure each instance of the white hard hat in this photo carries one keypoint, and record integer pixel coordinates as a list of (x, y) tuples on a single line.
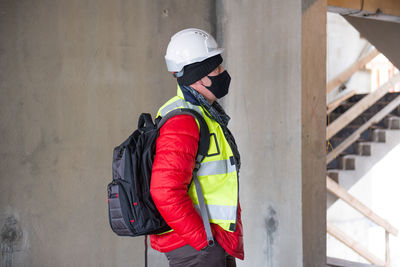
[(189, 46)]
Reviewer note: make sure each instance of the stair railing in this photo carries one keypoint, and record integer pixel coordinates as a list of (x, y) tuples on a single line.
[(360, 107), (341, 193), (346, 74), (356, 135)]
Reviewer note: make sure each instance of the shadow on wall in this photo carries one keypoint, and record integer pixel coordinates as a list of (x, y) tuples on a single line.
[(11, 238), (271, 226)]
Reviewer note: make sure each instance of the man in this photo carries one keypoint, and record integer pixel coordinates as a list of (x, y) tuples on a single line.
[(195, 60)]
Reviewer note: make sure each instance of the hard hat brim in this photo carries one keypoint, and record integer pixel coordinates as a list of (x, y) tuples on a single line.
[(172, 66)]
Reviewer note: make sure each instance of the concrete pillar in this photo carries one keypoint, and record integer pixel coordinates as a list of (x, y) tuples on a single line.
[(276, 57)]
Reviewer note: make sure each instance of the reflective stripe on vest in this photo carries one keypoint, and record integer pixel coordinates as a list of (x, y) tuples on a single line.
[(216, 167), (219, 212)]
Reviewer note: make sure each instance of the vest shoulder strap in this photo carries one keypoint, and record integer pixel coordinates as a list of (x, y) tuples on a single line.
[(202, 151), (204, 142)]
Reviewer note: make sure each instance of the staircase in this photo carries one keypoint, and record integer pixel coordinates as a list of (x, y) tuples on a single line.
[(354, 128), (362, 128), (346, 163)]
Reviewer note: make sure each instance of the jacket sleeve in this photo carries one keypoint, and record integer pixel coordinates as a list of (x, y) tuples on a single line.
[(174, 161)]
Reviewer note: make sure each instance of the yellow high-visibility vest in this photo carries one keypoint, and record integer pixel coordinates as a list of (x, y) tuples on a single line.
[(218, 174)]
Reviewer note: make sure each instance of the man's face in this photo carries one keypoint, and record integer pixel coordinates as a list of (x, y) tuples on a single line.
[(199, 86)]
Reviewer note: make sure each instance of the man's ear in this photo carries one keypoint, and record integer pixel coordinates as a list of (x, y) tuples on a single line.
[(205, 81)]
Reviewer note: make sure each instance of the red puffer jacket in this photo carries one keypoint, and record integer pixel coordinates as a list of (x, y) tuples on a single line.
[(176, 149)]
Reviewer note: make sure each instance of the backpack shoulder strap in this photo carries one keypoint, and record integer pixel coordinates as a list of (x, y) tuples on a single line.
[(202, 151)]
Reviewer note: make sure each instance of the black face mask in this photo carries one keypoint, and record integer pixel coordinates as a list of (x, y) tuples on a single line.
[(220, 84)]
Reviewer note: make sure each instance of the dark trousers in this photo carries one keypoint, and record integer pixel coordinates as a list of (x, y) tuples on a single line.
[(187, 256)]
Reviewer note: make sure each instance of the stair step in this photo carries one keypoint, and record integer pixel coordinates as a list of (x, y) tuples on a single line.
[(369, 135), (347, 162), (364, 148), (356, 98), (333, 174), (361, 147), (390, 96), (333, 165), (336, 141), (379, 136), (392, 122), (342, 162), (396, 111), (348, 105)]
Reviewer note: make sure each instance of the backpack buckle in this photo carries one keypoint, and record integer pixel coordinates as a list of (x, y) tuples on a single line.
[(196, 166)]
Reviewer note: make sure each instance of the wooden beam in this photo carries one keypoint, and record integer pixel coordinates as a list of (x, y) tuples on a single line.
[(360, 107), (354, 136), (350, 4), (388, 7), (354, 245), (387, 252), (335, 103), (341, 193), (345, 75)]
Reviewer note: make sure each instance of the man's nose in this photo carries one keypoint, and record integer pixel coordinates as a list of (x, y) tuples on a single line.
[(221, 69)]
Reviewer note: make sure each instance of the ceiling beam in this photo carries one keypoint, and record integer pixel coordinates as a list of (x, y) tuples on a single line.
[(374, 9)]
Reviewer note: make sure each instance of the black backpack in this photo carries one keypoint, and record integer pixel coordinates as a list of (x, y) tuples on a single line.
[(132, 211)]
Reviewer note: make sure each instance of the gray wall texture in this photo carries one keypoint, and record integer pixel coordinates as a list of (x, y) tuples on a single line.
[(264, 59), (74, 77)]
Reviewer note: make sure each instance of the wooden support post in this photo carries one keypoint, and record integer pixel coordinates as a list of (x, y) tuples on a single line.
[(341, 193), (387, 254), (354, 136), (354, 245), (360, 107), (345, 75)]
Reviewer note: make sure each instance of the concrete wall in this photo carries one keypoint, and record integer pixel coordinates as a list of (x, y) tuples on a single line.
[(75, 75)]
